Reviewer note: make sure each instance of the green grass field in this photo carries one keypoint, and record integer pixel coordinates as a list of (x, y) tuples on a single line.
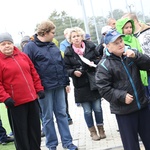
[(4, 118)]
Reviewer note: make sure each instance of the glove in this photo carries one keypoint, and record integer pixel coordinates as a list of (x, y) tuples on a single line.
[(41, 94), (9, 102)]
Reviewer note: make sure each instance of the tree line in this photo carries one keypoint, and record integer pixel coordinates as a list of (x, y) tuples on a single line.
[(62, 21)]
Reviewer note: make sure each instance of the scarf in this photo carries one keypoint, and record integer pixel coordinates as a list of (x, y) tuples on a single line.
[(79, 51)]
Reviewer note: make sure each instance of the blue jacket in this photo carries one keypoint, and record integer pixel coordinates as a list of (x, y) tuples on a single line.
[(64, 44), (48, 62)]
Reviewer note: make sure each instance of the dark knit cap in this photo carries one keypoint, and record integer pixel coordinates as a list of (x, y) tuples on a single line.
[(5, 37), (87, 36)]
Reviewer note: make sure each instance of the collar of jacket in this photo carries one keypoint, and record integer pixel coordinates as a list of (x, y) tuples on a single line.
[(40, 43), (128, 38), (89, 46), (113, 56), (15, 52)]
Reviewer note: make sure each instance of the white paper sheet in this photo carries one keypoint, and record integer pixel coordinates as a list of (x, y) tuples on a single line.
[(85, 60)]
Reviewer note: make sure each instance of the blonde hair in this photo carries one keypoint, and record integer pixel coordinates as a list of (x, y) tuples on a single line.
[(45, 27), (109, 21), (66, 31), (77, 30)]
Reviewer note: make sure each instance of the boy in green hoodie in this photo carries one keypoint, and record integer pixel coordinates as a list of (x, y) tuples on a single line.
[(142, 32), (126, 26)]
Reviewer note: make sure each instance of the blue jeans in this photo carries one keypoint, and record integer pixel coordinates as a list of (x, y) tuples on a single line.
[(95, 106), (54, 102), (3, 136)]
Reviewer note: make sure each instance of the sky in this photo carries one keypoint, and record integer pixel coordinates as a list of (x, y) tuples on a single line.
[(22, 16)]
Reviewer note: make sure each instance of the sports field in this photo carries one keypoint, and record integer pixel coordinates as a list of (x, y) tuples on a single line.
[(4, 118)]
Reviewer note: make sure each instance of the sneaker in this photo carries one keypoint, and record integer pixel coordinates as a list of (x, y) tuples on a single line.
[(71, 147), (10, 134), (9, 139), (3, 143)]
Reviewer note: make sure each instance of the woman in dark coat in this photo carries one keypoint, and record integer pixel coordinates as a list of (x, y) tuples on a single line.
[(77, 70)]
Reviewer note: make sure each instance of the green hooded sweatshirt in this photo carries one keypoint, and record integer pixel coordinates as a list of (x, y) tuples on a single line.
[(133, 42)]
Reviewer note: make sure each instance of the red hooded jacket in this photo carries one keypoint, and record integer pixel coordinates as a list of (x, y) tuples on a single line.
[(18, 78)]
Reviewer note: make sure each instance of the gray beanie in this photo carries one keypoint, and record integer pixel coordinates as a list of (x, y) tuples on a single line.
[(25, 39), (5, 37)]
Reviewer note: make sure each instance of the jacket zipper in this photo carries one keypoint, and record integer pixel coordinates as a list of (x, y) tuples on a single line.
[(133, 86), (23, 76)]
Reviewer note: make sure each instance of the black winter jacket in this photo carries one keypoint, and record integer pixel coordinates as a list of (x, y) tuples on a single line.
[(48, 62), (117, 76), (73, 62)]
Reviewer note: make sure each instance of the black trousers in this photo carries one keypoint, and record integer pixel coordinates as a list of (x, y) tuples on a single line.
[(131, 125), (25, 122)]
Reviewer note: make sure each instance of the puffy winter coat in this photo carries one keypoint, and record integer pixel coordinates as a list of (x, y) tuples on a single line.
[(18, 78), (117, 76), (143, 37), (73, 62), (48, 62)]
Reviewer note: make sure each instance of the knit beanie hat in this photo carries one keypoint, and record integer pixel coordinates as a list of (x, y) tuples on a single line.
[(25, 39), (5, 37)]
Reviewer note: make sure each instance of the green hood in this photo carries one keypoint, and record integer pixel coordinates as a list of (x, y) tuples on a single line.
[(128, 39), (131, 41), (121, 23)]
